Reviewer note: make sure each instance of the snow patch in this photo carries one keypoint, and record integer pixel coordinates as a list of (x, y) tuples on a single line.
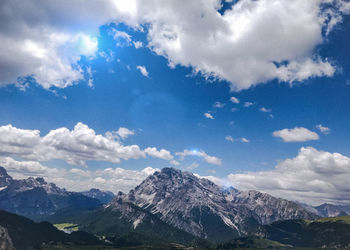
[(229, 223), (136, 222)]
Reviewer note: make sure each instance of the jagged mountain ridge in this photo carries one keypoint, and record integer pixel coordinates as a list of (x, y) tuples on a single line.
[(5, 179), (200, 207), (120, 217), (34, 197), (101, 195), (331, 210), (328, 210)]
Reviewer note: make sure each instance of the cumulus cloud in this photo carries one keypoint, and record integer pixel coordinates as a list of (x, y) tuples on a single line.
[(138, 44), (74, 179), (143, 70), (161, 154), (209, 159), (323, 129), (46, 39), (248, 104), (124, 132), (224, 46), (209, 116), (234, 99), (48, 44), (297, 134), (22, 169), (219, 105), (313, 177), (73, 146), (265, 110), (122, 38)]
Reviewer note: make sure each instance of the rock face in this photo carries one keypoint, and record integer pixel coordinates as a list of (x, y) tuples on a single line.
[(120, 218), (200, 207), (270, 209), (5, 239), (35, 197), (102, 196), (330, 210), (5, 179)]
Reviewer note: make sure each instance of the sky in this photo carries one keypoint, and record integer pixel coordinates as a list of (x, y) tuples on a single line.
[(250, 94)]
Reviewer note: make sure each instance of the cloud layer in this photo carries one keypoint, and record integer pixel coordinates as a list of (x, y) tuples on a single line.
[(313, 177), (73, 146), (76, 179), (48, 44)]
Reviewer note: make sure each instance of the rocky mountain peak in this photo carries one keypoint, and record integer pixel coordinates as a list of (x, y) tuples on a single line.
[(193, 204), (102, 196), (5, 179)]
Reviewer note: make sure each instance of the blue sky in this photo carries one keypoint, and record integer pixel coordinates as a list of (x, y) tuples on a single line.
[(101, 85)]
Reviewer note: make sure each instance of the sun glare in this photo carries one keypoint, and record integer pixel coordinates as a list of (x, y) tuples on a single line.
[(88, 45)]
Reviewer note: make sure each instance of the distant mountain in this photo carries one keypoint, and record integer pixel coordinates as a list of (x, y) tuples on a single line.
[(5, 179), (102, 196), (330, 210), (322, 233), (35, 198), (17, 232), (205, 210), (326, 210)]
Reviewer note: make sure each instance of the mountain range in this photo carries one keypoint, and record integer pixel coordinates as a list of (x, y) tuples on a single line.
[(202, 208), (168, 206), (35, 198)]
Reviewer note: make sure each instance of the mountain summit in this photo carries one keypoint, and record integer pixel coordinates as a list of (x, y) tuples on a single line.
[(5, 179), (34, 197), (202, 208)]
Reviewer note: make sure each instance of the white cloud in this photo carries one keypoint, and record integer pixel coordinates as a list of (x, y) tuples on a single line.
[(73, 146), (138, 44), (224, 46), (21, 169), (248, 104), (45, 40), (47, 44), (297, 134), (231, 139), (122, 38), (312, 177), (162, 154), (143, 70), (124, 132), (219, 105), (323, 129), (99, 180), (113, 179), (209, 159), (301, 70), (245, 140), (265, 110), (234, 99), (216, 180), (209, 116)]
